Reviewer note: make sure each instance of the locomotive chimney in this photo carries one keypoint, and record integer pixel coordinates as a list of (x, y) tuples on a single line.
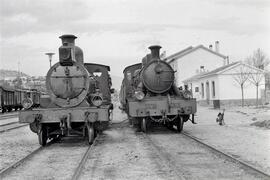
[(155, 51), (68, 40)]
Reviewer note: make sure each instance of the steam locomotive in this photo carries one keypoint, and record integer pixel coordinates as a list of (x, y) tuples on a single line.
[(78, 100), (149, 95)]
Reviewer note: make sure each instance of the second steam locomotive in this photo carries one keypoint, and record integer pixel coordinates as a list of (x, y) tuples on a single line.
[(78, 100), (149, 95)]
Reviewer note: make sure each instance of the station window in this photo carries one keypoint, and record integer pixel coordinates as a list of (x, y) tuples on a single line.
[(196, 89), (202, 90), (213, 89)]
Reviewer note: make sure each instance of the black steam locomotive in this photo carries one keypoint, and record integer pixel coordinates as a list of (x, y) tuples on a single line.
[(78, 100), (149, 95)]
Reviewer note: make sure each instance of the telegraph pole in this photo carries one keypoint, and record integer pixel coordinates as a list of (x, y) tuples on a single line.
[(50, 58)]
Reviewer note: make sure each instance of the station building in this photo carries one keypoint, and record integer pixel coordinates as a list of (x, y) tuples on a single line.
[(193, 60), (221, 86)]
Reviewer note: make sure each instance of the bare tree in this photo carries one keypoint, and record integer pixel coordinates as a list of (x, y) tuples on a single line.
[(241, 76), (256, 79), (258, 59)]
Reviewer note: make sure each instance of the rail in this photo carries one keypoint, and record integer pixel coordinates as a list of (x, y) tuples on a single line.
[(235, 160), (13, 166), (9, 115), (80, 167)]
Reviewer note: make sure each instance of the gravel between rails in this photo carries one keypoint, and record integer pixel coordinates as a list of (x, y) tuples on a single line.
[(226, 155), (8, 169), (15, 145), (78, 170), (121, 153), (57, 161), (195, 161)]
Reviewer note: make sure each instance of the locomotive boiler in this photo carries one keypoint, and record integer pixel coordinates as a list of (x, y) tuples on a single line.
[(153, 96), (78, 100)]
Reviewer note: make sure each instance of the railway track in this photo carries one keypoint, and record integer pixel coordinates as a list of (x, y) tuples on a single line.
[(8, 115), (10, 126), (7, 170), (80, 167), (167, 158), (229, 157), (164, 158)]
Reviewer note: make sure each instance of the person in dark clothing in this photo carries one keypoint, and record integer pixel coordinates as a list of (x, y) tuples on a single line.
[(220, 118)]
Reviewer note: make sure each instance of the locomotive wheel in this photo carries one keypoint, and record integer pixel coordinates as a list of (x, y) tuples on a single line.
[(180, 124), (90, 134), (42, 136), (169, 125), (130, 121), (144, 125)]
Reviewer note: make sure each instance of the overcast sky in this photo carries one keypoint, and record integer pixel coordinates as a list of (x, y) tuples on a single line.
[(118, 32)]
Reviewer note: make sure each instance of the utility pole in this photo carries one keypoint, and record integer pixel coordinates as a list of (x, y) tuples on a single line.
[(50, 58), (19, 75)]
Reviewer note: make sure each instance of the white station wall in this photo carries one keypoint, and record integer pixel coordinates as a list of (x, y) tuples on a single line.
[(187, 65)]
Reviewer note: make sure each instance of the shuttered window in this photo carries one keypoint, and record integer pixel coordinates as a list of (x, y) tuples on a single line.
[(213, 89)]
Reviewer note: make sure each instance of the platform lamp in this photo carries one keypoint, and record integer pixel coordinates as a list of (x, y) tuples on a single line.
[(50, 58)]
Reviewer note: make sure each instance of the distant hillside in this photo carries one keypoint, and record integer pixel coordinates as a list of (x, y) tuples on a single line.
[(10, 73), (116, 82)]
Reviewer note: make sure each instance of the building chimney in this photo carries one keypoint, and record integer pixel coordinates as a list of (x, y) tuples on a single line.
[(202, 69), (155, 51), (210, 47), (217, 46), (227, 58)]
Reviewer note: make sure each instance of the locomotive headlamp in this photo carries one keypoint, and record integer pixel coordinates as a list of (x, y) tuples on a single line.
[(187, 94), (97, 100), (139, 95), (27, 103), (65, 56)]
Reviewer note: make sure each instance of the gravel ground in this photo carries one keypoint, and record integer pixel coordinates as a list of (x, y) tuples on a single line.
[(15, 144), (120, 154), (194, 161), (237, 137), (57, 161)]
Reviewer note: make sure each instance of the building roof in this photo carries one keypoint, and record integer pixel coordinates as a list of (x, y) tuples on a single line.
[(215, 71), (94, 64), (138, 65), (220, 70), (188, 50)]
